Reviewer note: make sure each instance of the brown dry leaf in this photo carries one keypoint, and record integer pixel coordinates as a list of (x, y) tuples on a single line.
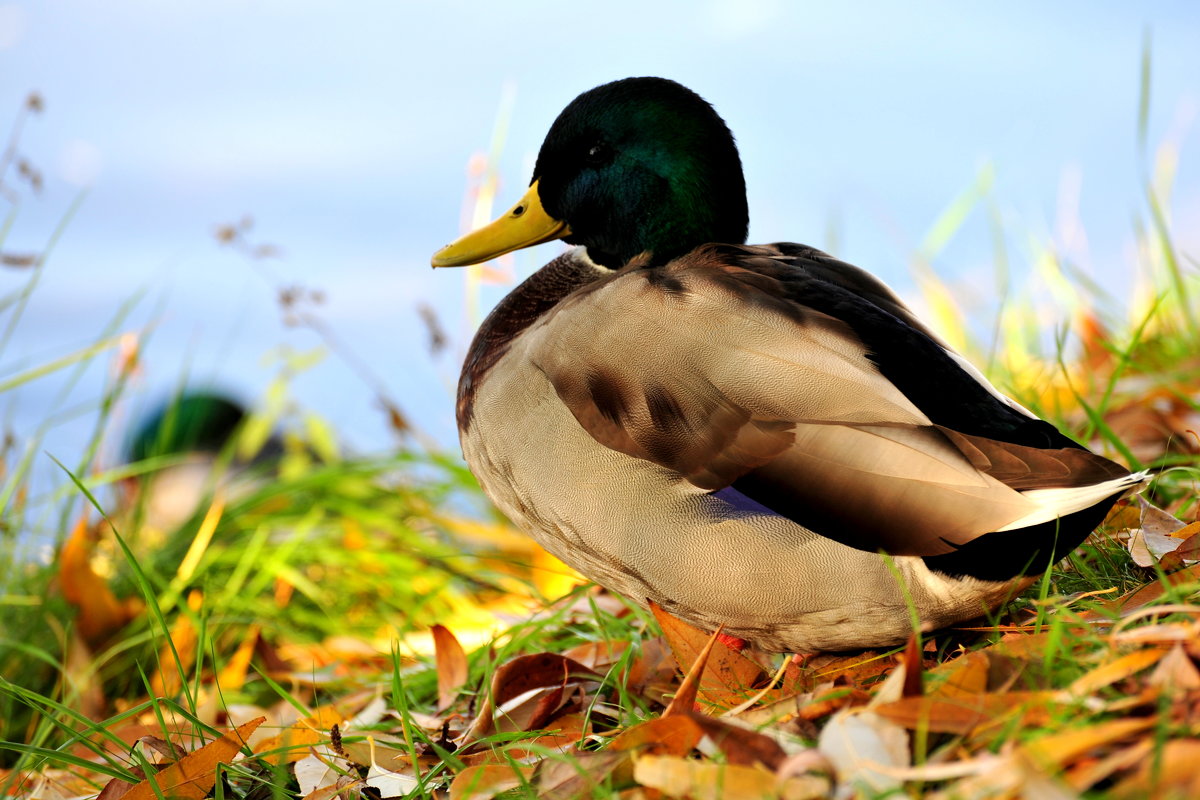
[(965, 675), (685, 698), (1147, 549), (701, 780), (100, 612), (728, 678), (1189, 531), (1169, 773), (155, 744), (826, 700), (674, 735), (741, 746), (913, 685), (1021, 646), (1154, 519), (562, 735), (1086, 774), (523, 675), (390, 752), (1122, 516), (1188, 551), (652, 673), (488, 780), (452, 670), (1157, 422), (858, 670), (568, 778), (193, 776), (115, 789), (1175, 672), (1140, 598), (598, 655), (1170, 548), (964, 713), (1107, 674)]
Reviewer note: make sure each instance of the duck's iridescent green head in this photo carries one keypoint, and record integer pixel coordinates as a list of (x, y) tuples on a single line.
[(641, 164)]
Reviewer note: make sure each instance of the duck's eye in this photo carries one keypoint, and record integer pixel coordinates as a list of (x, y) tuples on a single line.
[(599, 153)]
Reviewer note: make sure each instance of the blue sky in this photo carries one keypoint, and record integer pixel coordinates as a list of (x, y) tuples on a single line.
[(344, 130)]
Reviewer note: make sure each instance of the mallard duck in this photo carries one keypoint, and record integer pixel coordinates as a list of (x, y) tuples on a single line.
[(757, 437)]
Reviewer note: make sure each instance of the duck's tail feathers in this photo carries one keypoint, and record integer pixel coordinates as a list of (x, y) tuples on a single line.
[(1059, 502)]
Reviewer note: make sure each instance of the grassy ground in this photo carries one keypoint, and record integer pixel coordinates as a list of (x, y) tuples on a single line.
[(336, 625)]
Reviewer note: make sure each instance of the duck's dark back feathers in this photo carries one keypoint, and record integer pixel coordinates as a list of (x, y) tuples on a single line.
[(906, 352)]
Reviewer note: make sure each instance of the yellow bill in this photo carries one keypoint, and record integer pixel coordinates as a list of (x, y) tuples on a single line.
[(523, 225)]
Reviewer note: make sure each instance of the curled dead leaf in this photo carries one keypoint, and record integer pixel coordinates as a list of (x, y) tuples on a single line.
[(521, 676), (452, 665)]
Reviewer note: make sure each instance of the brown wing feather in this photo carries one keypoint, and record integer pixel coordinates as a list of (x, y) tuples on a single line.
[(704, 367), (1021, 468), (696, 379)]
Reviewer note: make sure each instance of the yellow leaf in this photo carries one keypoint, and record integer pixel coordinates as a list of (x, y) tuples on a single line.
[(233, 672), (1118, 670), (967, 675), (1057, 750), (701, 780), (201, 541), (293, 743)]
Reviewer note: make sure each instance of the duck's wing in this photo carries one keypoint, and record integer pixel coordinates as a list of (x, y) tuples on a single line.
[(801, 386)]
